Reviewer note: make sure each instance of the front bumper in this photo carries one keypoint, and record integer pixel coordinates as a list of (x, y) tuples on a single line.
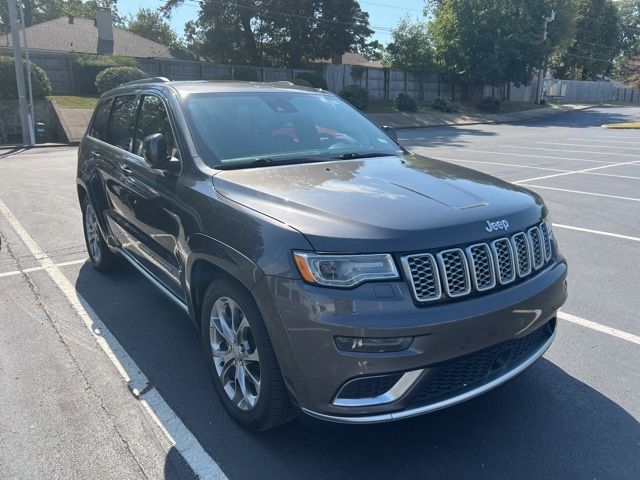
[(315, 370)]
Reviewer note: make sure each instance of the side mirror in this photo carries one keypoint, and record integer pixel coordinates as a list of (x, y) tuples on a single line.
[(391, 132), (155, 151)]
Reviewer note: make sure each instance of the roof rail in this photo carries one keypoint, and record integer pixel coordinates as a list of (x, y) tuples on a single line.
[(147, 80)]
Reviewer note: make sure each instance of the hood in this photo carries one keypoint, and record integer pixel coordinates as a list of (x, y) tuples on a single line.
[(382, 204)]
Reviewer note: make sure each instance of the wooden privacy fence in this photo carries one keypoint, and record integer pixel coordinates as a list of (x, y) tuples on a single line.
[(386, 83), (381, 83)]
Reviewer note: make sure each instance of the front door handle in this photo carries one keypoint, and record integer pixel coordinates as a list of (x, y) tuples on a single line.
[(126, 169)]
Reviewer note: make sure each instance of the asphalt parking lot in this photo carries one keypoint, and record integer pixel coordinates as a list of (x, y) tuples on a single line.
[(67, 412)]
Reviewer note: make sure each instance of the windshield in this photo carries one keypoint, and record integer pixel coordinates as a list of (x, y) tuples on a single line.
[(242, 127)]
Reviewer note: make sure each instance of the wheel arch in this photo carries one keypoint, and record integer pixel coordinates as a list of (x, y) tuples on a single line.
[(209, 260)]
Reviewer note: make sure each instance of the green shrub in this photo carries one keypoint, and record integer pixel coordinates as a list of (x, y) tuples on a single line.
[(356, 96), (39, 80), (87, 67), (302, 82), (405, 103), (114, 76), (316, 81), (489, 105), (443, 105), (246, 74)]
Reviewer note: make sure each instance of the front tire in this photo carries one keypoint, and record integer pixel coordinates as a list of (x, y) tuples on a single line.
[(102, 259), (241, 359)]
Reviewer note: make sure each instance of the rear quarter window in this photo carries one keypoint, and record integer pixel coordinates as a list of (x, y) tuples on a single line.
[(99, 125), (122, 123)]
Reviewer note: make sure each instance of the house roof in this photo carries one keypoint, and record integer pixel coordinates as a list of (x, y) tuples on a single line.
[(353, 58), (82, 36)]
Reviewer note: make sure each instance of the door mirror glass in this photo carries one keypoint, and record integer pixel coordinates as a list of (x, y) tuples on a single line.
[(155, 151), (391, 132)]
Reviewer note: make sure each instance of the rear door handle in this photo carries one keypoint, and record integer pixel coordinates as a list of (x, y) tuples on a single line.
[(126, 169)]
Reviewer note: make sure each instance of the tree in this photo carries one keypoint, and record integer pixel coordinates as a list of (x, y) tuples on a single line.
[(628, 27), (277, 32), (152, 25), (488, 42), (410, 48), (627, 69), (595, 44)]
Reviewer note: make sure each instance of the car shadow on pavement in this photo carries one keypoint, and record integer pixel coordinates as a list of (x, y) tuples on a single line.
[(543, 424)]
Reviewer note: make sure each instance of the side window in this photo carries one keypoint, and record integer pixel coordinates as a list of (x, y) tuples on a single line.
[(123, 114), (100, 119), (154, 119)]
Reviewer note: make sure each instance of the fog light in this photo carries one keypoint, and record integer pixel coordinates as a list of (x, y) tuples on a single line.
[(372, 345)]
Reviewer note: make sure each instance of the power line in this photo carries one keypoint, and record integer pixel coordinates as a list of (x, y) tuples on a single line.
[(391, 6)]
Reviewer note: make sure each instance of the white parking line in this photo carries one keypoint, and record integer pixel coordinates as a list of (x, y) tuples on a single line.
[(581, 192), (500, 164), (598, 139), (587, 145), (586, 170), (153, 403), (629, 337), (541, 156), (540, 168), (597, 232), (35, 269), (572, 151)]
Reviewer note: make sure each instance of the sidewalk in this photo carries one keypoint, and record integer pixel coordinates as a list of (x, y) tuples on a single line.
[(418, 120)]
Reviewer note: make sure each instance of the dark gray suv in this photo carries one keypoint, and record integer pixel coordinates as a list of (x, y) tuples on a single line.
[(329, 270)]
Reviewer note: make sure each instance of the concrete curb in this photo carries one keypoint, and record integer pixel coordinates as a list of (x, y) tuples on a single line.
[(408, 121)]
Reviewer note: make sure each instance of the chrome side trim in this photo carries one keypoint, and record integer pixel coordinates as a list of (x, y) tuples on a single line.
[(394, 393), (152, 279), (388, 417)]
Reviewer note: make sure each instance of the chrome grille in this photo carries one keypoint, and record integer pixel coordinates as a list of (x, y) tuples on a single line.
[(455, 272), (537, 247), (503, 254), (523, 257), (479, 267), (546, 240), (425, 280)]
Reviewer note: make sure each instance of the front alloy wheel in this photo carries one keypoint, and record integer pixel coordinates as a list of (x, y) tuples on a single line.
[(241, 359), (235, 353)]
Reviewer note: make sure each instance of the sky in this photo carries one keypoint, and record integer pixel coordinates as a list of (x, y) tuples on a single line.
[(383, 14)]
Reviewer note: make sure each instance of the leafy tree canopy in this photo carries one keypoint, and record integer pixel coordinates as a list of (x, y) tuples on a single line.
[(595, 44), (410, 48), (278, 32), (153, 25)]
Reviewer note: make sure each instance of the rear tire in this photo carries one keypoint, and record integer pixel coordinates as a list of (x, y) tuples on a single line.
[(241, 359), (102, 258)]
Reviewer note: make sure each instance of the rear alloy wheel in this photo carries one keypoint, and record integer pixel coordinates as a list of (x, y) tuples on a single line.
[(242, 362), (101, 257)]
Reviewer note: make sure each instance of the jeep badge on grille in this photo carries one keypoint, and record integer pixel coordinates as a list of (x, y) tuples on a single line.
[(499, 225)]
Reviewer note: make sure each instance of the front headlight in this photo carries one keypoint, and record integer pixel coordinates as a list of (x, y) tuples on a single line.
[(344, 270)]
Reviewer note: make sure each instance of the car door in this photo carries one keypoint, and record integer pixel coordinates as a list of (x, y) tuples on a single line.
[(152, 192), (143, 197)]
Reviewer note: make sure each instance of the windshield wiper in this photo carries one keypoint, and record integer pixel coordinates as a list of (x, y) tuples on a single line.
[(268, 162), (352, 155)]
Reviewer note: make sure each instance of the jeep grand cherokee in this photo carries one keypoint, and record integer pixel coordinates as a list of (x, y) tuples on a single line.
[(329, 270)]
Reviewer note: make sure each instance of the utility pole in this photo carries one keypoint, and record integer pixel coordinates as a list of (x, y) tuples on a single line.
[(32, 112), (22, 101), (543, 69)]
